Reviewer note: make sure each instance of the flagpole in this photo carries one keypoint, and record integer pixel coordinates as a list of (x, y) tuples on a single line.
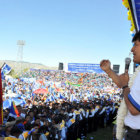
[(1, 101), (3, 65)]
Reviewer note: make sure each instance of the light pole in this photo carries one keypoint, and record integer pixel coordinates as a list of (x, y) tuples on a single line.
[(20, 44)]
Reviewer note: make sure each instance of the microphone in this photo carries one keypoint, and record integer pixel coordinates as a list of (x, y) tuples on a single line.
[(127, 63)]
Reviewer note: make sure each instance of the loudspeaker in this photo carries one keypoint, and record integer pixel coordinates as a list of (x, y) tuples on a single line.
[(116, 68), (60, 66)]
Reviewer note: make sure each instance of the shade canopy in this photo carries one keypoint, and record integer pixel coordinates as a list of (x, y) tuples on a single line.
[(40, 91)]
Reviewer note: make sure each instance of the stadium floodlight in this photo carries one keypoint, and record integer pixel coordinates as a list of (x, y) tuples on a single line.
[(20, 44)]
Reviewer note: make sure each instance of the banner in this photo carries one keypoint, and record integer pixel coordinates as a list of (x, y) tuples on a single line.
[(84, 67)]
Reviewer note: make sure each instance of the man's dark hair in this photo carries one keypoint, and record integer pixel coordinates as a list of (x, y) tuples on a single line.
[(15, 130), (37, 118), (28, 126), (57, 119), (136, 37)]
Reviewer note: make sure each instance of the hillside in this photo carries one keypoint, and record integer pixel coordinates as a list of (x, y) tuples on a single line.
[(17, 66)]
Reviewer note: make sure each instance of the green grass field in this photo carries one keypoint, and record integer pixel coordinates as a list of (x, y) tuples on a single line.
[(101, 134)]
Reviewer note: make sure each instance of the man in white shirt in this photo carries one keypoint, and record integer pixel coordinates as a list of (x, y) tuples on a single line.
[(131, 95)]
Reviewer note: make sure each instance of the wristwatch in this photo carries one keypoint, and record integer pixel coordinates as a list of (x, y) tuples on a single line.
[(124, 86)]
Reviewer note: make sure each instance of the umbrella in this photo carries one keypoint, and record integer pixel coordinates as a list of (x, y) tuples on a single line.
[(40, 91)]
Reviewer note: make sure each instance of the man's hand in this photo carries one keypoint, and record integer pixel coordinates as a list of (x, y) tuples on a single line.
[(105, 65), (124, 78)]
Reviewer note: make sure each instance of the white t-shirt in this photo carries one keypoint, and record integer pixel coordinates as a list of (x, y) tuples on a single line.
[(134, 97)]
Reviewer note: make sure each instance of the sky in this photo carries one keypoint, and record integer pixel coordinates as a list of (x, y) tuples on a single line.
[(67, 31)]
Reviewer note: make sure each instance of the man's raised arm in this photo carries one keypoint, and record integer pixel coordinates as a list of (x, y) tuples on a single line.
[(106, 67)]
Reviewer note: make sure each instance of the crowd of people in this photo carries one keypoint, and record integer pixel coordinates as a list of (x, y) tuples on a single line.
[(57, 105)]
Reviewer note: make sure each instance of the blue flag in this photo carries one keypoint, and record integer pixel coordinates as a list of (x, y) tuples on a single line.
[(2, 75), (61, 97), (5, 70)]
